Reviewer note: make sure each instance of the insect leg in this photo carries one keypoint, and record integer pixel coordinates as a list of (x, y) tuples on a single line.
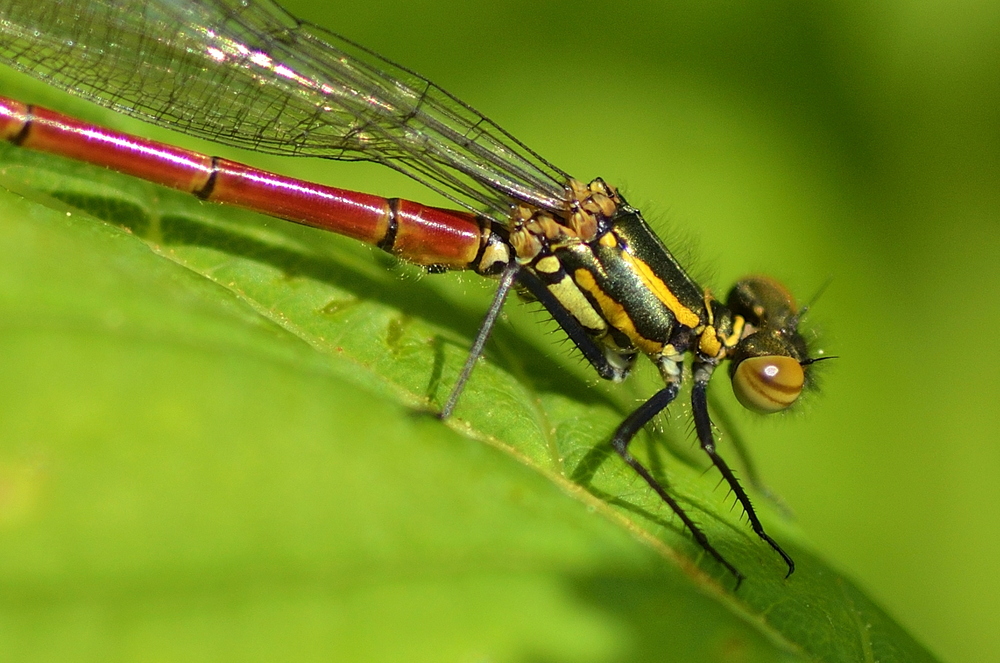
[(572, 328), (507, 277), (703, 427), (620, 441)]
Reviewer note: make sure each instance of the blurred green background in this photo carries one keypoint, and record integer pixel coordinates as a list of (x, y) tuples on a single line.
[(843, 143)]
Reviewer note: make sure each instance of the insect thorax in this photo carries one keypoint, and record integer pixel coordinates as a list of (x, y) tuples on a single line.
[(606, 268)]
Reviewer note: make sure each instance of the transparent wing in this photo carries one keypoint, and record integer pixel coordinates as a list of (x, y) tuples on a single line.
[(248, 74)]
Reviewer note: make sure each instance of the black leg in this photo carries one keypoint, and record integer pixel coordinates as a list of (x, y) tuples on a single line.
[(620, 441), (571, 327), (703, 426)]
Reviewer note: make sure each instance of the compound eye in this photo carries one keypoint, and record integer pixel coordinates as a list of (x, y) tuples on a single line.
[(768, 384)]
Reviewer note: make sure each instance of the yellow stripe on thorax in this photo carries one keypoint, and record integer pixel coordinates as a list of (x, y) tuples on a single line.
[(614, 312), (682, 313), (572, 299)]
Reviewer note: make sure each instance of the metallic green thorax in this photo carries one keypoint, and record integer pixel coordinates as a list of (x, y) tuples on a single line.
[(624, 290)]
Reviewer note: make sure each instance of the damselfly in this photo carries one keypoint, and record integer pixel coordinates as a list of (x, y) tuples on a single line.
[(246, 73)]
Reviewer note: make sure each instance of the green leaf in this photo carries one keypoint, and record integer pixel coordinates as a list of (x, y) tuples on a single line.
[(214, 446)]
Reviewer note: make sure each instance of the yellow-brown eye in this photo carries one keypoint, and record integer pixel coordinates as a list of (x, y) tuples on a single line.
[(768, 384)]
